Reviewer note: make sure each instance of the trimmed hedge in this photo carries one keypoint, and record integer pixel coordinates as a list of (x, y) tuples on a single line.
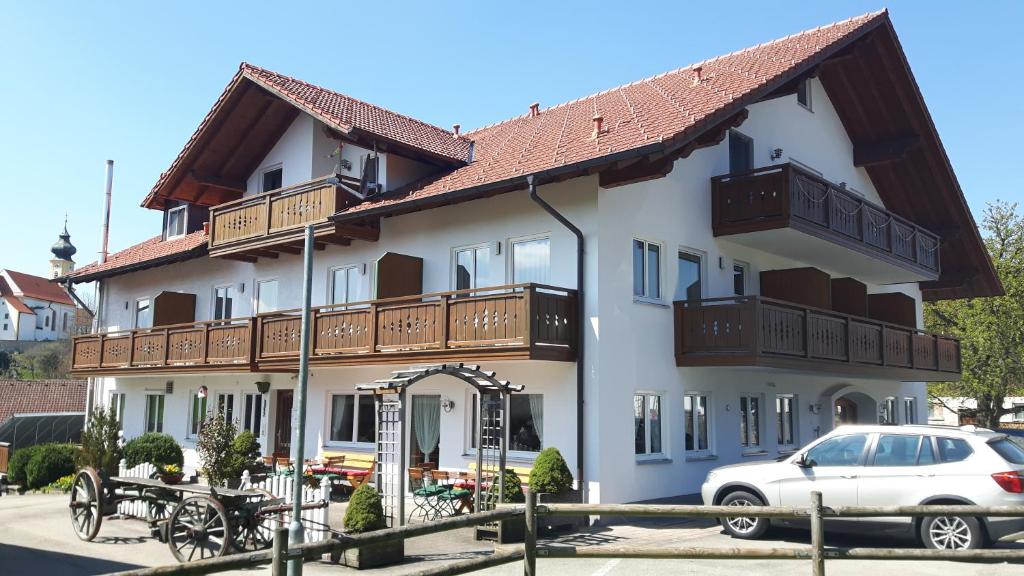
[(512, 489), (19, 460), (154, 448), (365, 512), (550, 473), (49, 463)]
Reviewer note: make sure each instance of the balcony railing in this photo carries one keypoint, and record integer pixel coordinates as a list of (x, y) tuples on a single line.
[(526, 321), (220, 345), (276, 216), (787, 195), (758, 331)]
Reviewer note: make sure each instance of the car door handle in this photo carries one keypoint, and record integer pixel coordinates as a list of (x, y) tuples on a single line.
[(848, 476), (926, 475)]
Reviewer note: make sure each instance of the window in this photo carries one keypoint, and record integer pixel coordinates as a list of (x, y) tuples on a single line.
[(117, 407), (887, 413), (785, 425), (531, 261), (526, 422), (175, 225), (750, 421), (272, 179), (1009, 450), (646, 270), (910, 410), (352, 418), (1018, 411), (345, 284), (266, 296), (953, 449), (143, 313), (197, 414), (695, 420), (223, 302), (472, 267), (936, 411), (226, 405), (688, 283), (154, 413), (46, 321), (839, 451), (897, 450), (252, 413), (803, 93), (64, 323), (647, 424), (739, 279), (741, 152)]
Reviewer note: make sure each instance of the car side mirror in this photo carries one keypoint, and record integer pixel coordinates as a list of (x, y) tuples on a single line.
[(804, 461)]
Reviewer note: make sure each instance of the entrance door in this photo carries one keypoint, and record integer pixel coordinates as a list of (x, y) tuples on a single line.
[(283, 424), (845, 411), (425, 431)]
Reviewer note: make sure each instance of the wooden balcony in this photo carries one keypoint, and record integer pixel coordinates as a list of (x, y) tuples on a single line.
[(265, 224), (222, 346), (885, 247), (758, 331), (516, 322)]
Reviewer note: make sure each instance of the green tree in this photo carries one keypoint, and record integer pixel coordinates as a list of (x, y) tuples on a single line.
[(991, 330), (100, 446), (216, 449)]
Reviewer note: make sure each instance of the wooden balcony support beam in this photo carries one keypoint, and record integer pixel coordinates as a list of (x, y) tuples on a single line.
[(359, 232), (236, 186), (872, 153)]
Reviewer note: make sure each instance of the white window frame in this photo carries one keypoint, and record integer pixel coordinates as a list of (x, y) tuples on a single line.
[(328, 414), (163, 411), (1017, 408), (746, 446), (190, 421), (234, 405), (135, 312), (646, 296), (910, 410), (795, 430), (472, 399), (663, 426), (698, 453), (117, 404), (184, 222), (256, 283), (510, 264), (271, 168), (809, 106), (888, 408), (702, 257), (746, 277), (489, 246), (261, 404), (232, 289), (353, 268)]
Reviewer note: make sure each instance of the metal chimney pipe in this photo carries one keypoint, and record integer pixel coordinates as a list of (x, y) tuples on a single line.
[(106, 210)]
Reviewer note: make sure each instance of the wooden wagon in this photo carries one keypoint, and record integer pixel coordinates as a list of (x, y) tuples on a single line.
[(196, 521)]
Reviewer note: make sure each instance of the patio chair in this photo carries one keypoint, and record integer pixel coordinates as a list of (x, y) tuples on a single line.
[(450, 499), (424, 495)]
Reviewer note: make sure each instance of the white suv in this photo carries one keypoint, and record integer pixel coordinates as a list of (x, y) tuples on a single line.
[(885, 466)]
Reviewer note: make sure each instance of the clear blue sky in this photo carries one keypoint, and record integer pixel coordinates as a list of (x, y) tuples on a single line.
[(87, 81)]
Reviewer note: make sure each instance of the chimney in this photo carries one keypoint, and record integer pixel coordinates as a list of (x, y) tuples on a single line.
[(598, 120), (455, 129), (106, 211), (534, 109), (697, 78)]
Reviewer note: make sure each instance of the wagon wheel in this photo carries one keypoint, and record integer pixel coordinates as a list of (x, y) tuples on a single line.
[(252, 530), (198, 529), (156, 508), (86, 505)]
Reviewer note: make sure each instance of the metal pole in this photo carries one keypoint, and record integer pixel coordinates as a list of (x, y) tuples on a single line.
[(295, 531), (277, 567), (106, 210), (530, 546), (817, 536)]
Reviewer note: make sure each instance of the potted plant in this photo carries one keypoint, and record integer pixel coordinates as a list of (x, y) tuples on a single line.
[(551, 481), (215, 445), (170, 473), (365, 514), (508, 531)]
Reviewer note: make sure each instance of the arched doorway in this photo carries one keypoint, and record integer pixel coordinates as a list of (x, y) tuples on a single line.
[(393, 453), (854, 408)]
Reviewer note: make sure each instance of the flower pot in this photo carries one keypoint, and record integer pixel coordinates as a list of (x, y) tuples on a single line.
[(374, 555), (549, 525), (505, 532), (171, 478)]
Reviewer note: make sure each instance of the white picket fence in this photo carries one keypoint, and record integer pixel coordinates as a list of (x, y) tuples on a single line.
[(315, 520)]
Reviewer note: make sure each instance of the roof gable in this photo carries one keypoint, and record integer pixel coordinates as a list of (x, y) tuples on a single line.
[(29, 286)]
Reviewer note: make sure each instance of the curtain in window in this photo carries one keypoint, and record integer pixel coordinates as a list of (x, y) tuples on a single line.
[(537, 412), (427, 420), (341, 417), (531, 261)]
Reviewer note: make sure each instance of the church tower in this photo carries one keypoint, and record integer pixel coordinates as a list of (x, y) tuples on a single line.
[(61, 263)]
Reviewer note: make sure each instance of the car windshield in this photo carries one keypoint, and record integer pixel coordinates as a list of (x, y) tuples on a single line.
[(1011, 451)]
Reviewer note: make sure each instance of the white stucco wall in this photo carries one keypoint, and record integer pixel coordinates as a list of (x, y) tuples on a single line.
[(293, 153)]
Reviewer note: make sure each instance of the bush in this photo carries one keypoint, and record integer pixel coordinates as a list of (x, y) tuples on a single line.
[(550, 473), (49, 463), (154, 448), (101, 447), (215, 446), (246, 451), (19, 460), (365, 512), (513, 489), (63, 483)]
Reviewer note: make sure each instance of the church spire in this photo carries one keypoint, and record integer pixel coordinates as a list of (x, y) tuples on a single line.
[(62, 251)]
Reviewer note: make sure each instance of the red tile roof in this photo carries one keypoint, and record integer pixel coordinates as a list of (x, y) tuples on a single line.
[(152, 252), (12, 300), (646, 112), (29, 286), (41, 396)]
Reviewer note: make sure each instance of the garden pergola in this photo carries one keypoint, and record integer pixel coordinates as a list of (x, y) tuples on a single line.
[(392, 452)]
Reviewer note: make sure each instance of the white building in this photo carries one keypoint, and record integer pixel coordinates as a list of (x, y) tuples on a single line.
[(33, 308), (802, 279), (951, 411)]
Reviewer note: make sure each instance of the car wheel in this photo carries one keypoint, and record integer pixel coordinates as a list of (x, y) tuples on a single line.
[(743, 526), (952, 533)]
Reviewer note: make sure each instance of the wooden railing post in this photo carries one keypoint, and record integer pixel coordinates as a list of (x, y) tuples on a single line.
[(266, 215), (131, 347), (167, 345), (279, 565), (529, 296), (445, 310), (807, 332), (817, 536), (530, 541), (373, 328)]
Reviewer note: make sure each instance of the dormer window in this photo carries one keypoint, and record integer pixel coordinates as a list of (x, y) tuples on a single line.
[(272, 179), (803, 94), (175, 223)]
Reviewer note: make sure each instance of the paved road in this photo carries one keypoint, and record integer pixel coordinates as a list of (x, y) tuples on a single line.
[(36, 540)]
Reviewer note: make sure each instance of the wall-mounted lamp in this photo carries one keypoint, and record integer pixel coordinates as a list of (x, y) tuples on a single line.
[(263, 386), (241, 287), (447, 404), (203, 392), (721, 263), (776, 153), (814, 408), (169, 387)]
